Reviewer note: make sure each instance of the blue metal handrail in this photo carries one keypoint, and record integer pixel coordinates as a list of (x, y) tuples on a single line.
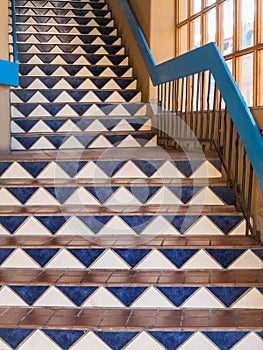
[(205, 58), (9, 71)]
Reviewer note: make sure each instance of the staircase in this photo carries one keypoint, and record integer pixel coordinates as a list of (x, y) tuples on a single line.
[(107, 240)]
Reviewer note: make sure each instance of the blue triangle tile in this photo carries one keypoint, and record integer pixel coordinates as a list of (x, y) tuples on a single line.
[(149, 167), (75, 82), (217, 164), (171, 340), (228, 295), (122, 82), (72, 167), (11, 223), (4, 253), (96, 70), (187, 167), (34, 168), (137, 123), (41, 255), (57, 140), (181, 222), (85, 140), (143, 139), (225, 256), (77, 294), (127, 295), (22, 193), (55, 124), (225, 340), (132, 256), (260, 334), (102, 193), (137, 223), (52, 223), (64, 338), (226, 223), (115, 140), (132, 108), (77, 95), (100, 82), (25, 95), (29, 293), (26, 125), (258, 252), (110, 167), (4, 166), (49, 82), (53, 108), (27, 141), (86, 256), (25, 81), (80, 108), (177, 295), (49, 69), (225, 194), (51, 95), (83, 124), (143, 193), (116, 340), (260, 290), (14, 336), (61, 193), (95, 223), (178, 256), (185, 193)]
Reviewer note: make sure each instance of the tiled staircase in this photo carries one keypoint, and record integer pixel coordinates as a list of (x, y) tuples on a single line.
[(108, 241)]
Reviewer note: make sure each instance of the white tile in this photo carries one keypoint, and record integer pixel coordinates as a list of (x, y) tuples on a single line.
[(71, 143), (84, 72), (15, 98), (67, 111), (129, 141), (60, 72), (40, 126), (240, 229), (37, 84), (152, 298), (116, 226), (38, 98), (129, 170), (249, 342), (96, 126), (36, 71), (100, 142), (62, 84), (90, 97), (101, 51), (206, 170), (53, 297), (144, 341), (247, 260), (58, 60), (81, 60), (202, 299), (42, 143), (16, 145), (74, 226), (9, 298), (206, 197), (110, 260), (164, 196), (39, 111), (94, 31), (125, 62), (69, 126), (53, 39), (56, 49), (204, 226), (94, 110), (128, 74), (107, 73), (15, 128), (19, 259), (155, 261), (42, 197), (98, 41), (253, 299), (168, 170), (152, 142), (159, 225), (102, 298), (104, 61), (115, 97), (123, 125), (201, 260), (123, 197), (64, 97), (64, 260), (4, 231), (119, 110), (111, 84), (90, 341), (6, 198), (15, 113), (91, 171), (53, 171), (4, 346), (197, 342), (32, 226), (33, 39), (40, 341), (82, 197)]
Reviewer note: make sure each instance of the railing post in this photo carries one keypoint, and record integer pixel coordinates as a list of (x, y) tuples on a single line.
[(4, 90)]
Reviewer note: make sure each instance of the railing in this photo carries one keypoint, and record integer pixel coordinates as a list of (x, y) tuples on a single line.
[(9, 71), (198, 89)]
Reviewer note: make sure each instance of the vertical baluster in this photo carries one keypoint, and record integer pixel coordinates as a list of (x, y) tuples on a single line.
[(213, 118), (243, 182), (202, 104), (197, 105), (185, 125), (230, 152), (224, 127), (173, 111), (208, 107), (249, 201), (192, 102), (219, 124), (236, 163)]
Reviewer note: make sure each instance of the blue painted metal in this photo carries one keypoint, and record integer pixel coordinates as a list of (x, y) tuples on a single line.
[(14, 32), (207, 57)]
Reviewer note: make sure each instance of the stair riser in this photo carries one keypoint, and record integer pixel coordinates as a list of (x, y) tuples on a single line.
[(89, 21)]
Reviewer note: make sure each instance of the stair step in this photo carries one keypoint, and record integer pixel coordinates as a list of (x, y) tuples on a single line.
[(57, 11), (62, 4)]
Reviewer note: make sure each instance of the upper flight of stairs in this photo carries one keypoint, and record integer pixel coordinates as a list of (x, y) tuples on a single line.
[(106, 240)]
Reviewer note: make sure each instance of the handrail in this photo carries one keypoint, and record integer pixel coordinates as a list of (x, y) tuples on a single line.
[(9, 71), (207, 57)]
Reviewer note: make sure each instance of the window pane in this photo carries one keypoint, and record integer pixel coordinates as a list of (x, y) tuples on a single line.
[(228, 26), (183, 10), (247, 25), (260, 14), (211, 26), (260, 83), (183, 35), (195, 33), (230, 65), (210, 2), (196, 6), (245, 77)]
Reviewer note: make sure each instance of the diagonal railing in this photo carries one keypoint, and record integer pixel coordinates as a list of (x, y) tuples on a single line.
[(9, 71), (199, 88)]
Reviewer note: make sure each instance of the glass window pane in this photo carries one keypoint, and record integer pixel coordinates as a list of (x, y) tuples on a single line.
[(196, 6), (183, 42), (260, 82), (245, 77), (260, 14), (228, 26), (195, 33), (230, 65), (183, 10), (211, 26), (210, 2), (247, 24)]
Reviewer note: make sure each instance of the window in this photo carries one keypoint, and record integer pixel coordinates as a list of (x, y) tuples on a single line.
[(236, 27)]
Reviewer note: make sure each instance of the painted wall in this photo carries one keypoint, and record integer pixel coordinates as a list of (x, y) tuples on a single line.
[(4, 90)]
